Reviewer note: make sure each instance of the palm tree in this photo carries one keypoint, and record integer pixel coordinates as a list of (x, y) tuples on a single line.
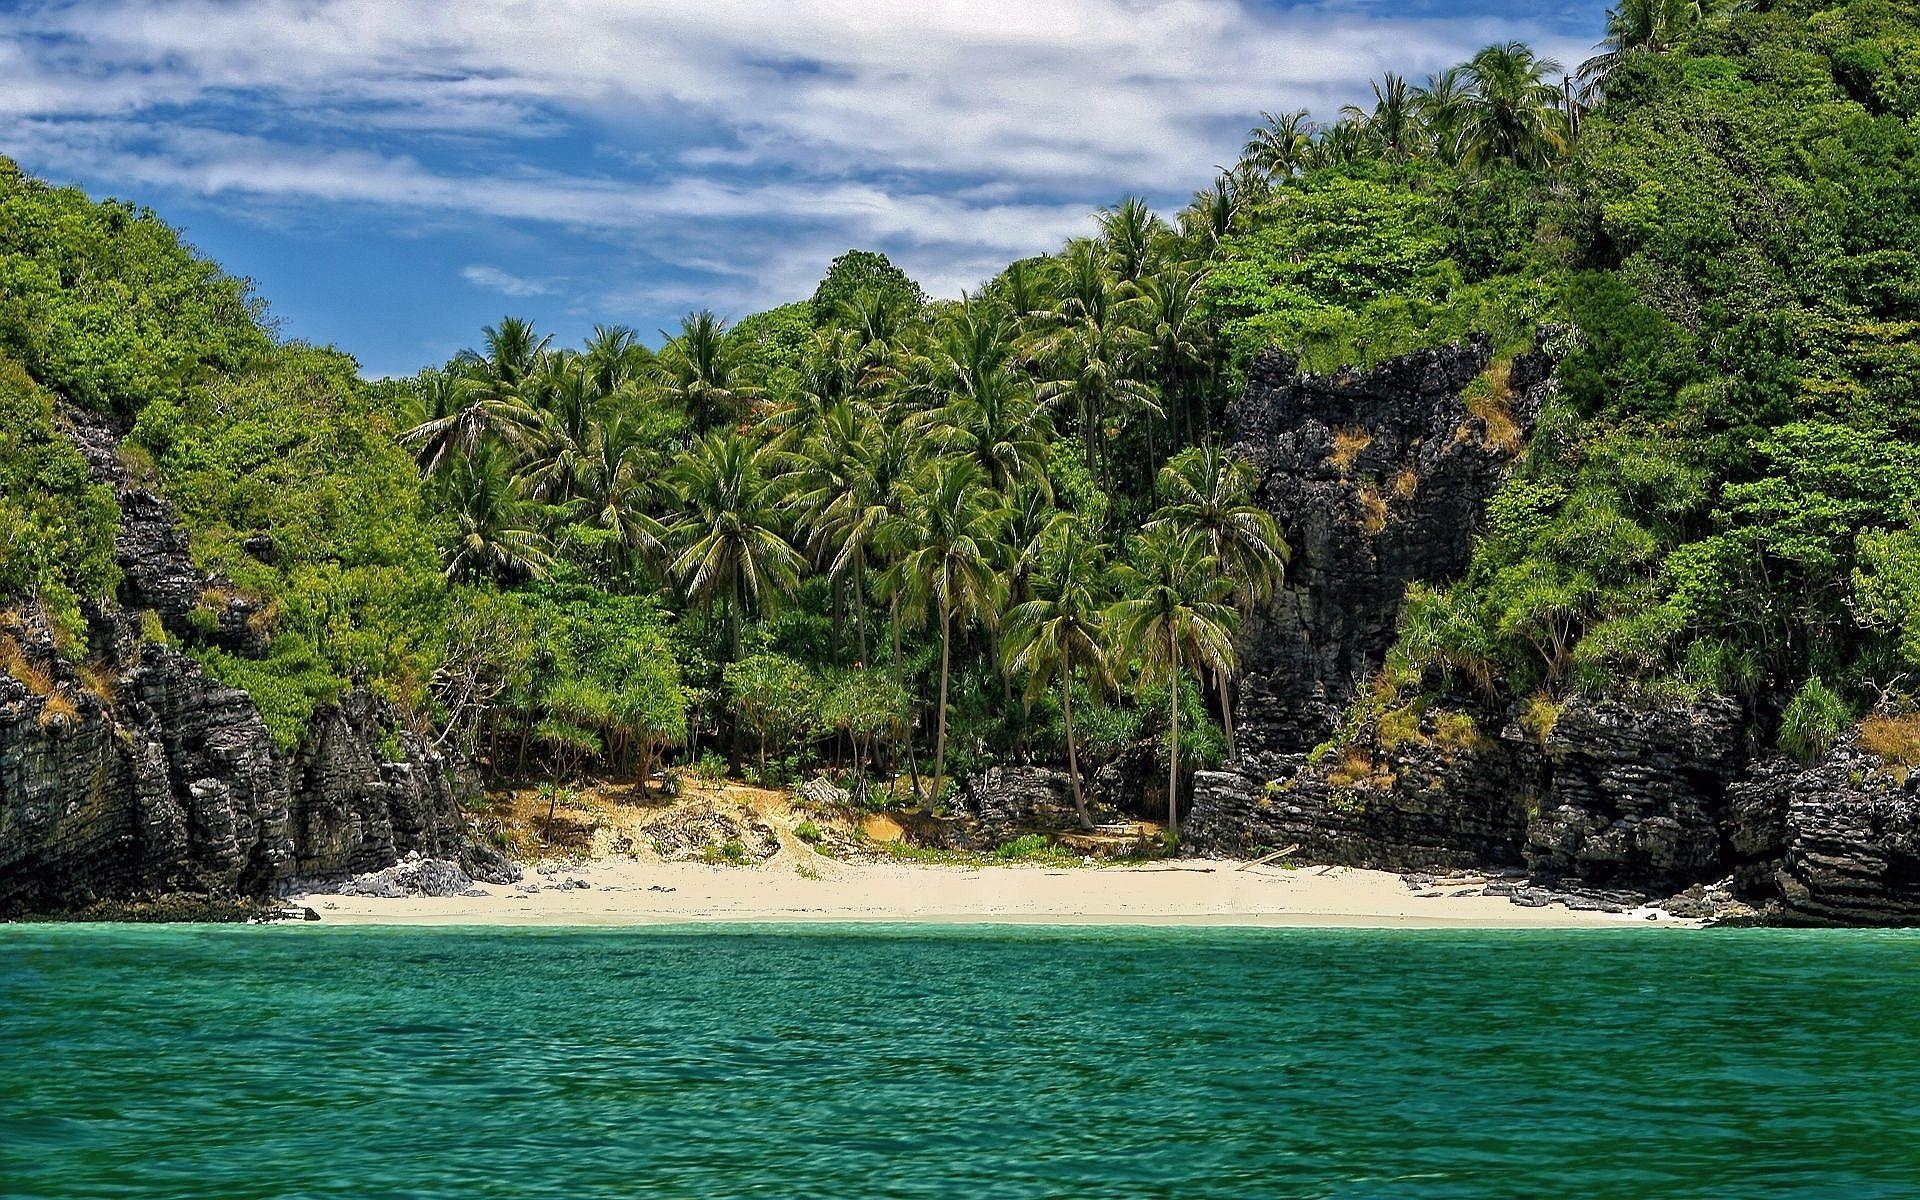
[(1639, 26), (1093, 350), (1394, 122), (1281, 146), (1058, 634), (1177, 339), (562, 400), (1208, 220), (953, 521), (1340, 145), (701, 370), (1510, 113), (1442, 106), (732, 548), (991, 413), (1175, 617), (615, 359), (1209, 495), (1133, 234), (496, 532), (857, 521), (487, 398), (615, 490)]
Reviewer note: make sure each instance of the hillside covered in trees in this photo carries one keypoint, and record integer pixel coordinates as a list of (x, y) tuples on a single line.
[(902, 539)]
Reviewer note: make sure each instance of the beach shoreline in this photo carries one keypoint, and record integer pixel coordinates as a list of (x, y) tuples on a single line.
[(819, 890)]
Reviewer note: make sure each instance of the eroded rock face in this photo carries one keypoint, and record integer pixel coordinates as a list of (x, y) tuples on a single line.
[(1430, 802), (1002, 799), (1637, 796), (146, 777), (1837, 842), (1619, 800), (1378, 479)]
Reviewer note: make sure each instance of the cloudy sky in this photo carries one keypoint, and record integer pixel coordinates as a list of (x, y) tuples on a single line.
[(396, 173)]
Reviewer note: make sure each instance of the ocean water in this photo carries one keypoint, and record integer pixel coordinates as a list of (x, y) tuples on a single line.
[(969, 1062)]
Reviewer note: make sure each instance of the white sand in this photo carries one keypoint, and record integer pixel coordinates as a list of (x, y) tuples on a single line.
[(1185, 892)]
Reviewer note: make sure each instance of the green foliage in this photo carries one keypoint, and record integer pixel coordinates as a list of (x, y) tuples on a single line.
[(1814, 719), (289, 684), (56, 526), (838, 527), (106, 306), (864, 271)]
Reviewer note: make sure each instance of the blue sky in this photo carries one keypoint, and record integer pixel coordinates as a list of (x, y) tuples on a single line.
[(395, 174)]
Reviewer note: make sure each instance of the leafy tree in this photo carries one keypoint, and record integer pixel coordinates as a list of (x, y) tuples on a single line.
[(950, 525), (1060, 634), (776, 697), (1174, 618), (731, 545), (867, 271)]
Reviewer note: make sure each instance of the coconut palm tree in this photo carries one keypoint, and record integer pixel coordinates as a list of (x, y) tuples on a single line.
[(732, 549), (615, 359), (563, 399), (1640, 26), (990, 414), (1092, 350), (1394, 122), (1511, 112), (1175, 617), (1280, 147), (1442, 109), (1208, 220), (483, 396), (496, 531), (1059, 634), (953, 522), (1133, 235), (615, 492), (701, 371), (1208, 494), (856, 524), (1178, 341), (1340, 145)]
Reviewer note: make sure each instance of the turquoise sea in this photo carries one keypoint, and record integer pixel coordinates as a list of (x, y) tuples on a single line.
[(970, 1062)]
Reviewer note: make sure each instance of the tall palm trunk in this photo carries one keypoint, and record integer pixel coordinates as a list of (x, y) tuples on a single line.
[(1226, 708), (940, 737), (900, 681), (1073, 756), (1173, 749)]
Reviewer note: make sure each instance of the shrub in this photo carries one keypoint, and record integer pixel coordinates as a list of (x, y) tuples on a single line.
[(808, 832), (1813, 721)]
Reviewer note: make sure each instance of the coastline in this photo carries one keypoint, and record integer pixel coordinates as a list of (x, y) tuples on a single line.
[(819, 890)]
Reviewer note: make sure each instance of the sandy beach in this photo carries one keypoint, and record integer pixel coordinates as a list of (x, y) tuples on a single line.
[(1182, 892)]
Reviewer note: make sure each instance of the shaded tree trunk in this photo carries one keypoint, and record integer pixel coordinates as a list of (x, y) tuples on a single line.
[(940, 736), (1173, 756), (1073, 756)]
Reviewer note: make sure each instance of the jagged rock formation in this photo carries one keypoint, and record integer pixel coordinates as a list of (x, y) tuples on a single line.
[(1381, 479), (1637, 797), (1834, 842), (141, 776), (1005, 799)]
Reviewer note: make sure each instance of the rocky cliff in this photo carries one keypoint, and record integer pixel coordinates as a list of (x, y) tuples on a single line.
[(138, 776), (1380, 479)]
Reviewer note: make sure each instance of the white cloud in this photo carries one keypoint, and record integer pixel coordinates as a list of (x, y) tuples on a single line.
[(953, 133), (505, 282)]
